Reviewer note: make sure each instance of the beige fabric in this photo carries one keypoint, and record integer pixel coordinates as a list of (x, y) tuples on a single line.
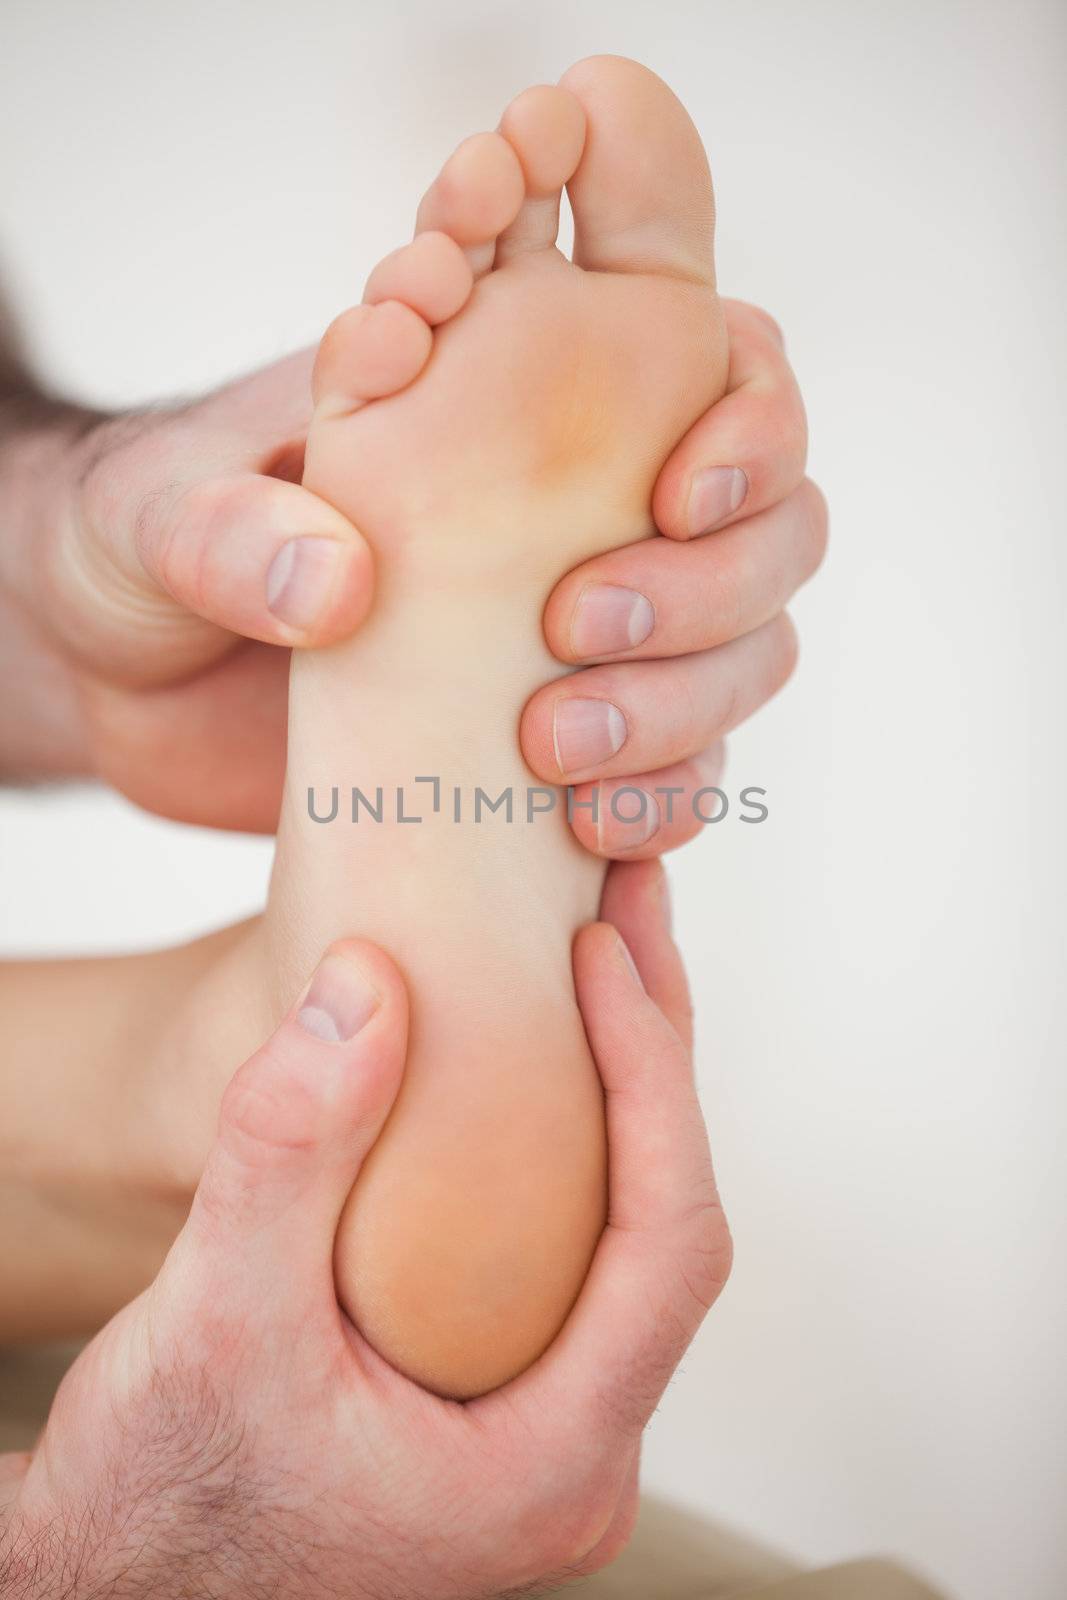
[(674, 1555), (853, 1580)]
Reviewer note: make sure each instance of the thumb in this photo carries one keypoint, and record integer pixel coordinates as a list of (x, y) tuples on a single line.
[(259, 557), (296, 1123), (175, 546)]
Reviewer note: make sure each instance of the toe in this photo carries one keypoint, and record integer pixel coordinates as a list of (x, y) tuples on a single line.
[(369, 352), (545, 127), (642, 195), (474, 197), (431, 275)]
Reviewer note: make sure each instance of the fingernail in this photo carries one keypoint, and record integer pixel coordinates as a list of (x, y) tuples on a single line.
[(586, 732), (300, 578), (628, 817), (608, 618), (714, 494), (624, 951), (339, 1002)]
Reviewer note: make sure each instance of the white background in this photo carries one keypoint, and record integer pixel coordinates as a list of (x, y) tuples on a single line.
[(190, 188)]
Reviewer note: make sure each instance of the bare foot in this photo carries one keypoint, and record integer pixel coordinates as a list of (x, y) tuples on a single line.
[(492, 414)]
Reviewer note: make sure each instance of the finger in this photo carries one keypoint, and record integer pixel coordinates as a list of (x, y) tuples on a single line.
[(637, 902), (659, 598), (640, 717), (665, 1252), (208, 749), (748, 451), (639, 818), (190, 526), (296, 1123), (659, 1160), (259, 557)]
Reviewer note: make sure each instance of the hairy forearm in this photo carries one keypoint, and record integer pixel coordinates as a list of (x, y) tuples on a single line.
[(124, 1551)]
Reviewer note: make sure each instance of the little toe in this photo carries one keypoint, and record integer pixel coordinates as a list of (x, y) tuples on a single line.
[(642, 194), (431, 275), (369, 352), (545, 127), (474, 197)]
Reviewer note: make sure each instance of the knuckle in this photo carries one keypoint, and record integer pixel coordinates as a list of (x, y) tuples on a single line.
[(786, 650), (684, 1004), (690, 701), (726, 604), (780, 422), (216, 504), (115, 515), (792, 428), (267, 1110), (575, 1522), (614, 1542), (212, 1208), (759, 319), (180, 535), (817, 524), (727, 706), (707, 1255), (768, 324)]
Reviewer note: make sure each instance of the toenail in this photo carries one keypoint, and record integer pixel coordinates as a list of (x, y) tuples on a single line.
[(628, 817), (339, 1002), (586, 732), (300, 578), (608, 619), (715, 493)]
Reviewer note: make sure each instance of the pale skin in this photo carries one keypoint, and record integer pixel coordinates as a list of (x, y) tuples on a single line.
[(83, 1034), (153, 1423), (474, 1222), (132, 639), (332, 1473), (136, 549)]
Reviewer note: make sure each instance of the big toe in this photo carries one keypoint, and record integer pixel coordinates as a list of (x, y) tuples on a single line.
[(642, 195)]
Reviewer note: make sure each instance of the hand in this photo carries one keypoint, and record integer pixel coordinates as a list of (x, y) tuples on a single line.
[(230, 1430), (155, 565), (711, 641)]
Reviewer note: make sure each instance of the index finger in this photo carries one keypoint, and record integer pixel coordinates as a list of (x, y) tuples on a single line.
[(665, 1252), (637, 902), (749, 450)]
